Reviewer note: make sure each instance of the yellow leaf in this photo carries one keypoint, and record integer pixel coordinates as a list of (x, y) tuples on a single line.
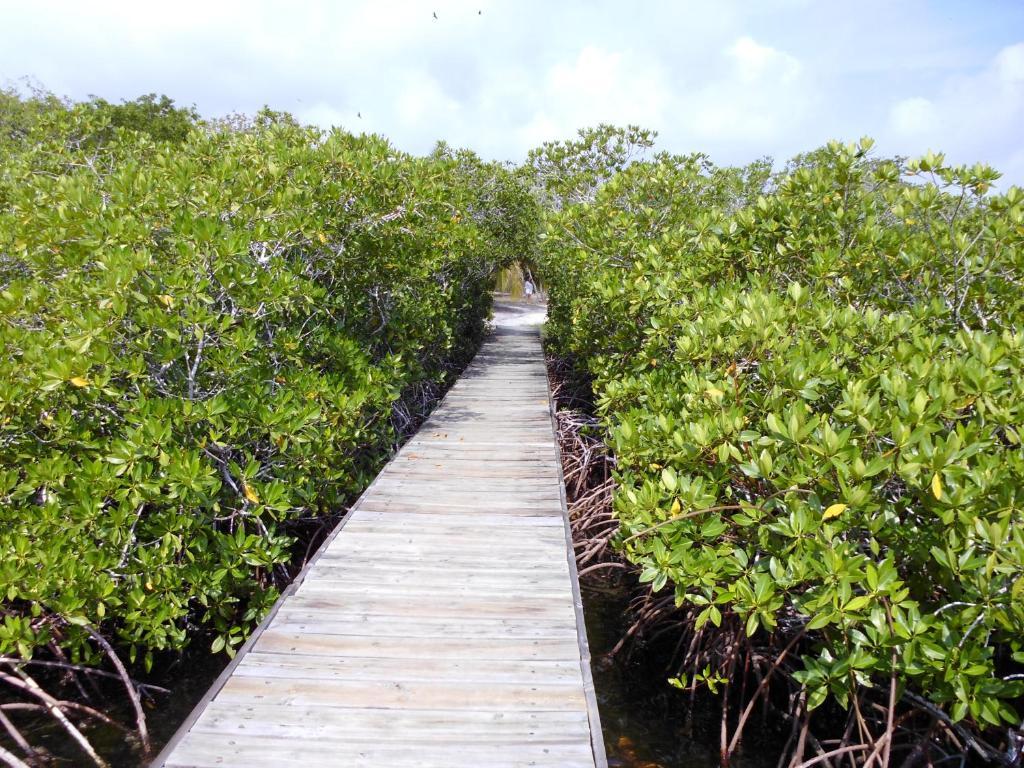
[(834, 511), (79, 381), (250, 494), (322, 238), (105, 304), (166, 299), (676, 507), (715, 393), (937, 486)]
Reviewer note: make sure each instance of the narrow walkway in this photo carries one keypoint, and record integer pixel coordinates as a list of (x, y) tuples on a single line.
[(441, 624)]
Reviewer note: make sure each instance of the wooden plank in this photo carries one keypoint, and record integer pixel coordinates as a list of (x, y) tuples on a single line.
[(381, 647), (524, 450), (396, 571), (410, 502), (496, 522), (421, 502), (424, 468), (442, 606), (484, 672), (454, 562), (436, 694), (508, 489), (213, 750), (532, 540), (486, 494), (519, 534), (395, 725), (338, 622), (426, 547), (507, 595)]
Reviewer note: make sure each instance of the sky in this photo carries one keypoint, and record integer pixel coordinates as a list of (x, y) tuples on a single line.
[(737, 79)]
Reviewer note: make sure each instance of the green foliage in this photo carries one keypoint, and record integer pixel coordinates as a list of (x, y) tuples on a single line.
[(202, 340), (150, 114), (813, 384), (19, 113), (567, 172)]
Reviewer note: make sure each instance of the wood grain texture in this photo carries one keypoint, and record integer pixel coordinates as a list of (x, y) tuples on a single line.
[(441, 625)]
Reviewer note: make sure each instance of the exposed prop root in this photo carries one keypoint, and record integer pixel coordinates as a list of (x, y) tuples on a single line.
[(23, 682), (129, 686), (10, 759), (20, 692), (587, 466)]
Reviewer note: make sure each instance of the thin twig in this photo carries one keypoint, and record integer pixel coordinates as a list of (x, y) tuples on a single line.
[(15, 734), (31, 687), (11, 760), (833, 753), (133, 694)]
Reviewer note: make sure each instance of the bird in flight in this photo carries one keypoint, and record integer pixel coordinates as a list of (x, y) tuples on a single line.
[(359, 115), (435, 15)]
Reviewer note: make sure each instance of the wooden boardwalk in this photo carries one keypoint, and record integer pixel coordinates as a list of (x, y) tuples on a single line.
[(441, 624)]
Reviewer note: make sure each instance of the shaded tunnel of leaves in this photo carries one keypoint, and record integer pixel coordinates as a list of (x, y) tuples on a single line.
[(206, 341)]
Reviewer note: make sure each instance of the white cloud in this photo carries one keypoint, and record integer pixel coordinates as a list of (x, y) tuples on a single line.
[(539, 129), (1009, 65), (733, 78), (760, 97), (756, 63), (420, 100), (599, 85), (913, 116), (324, 115), (972, 117)]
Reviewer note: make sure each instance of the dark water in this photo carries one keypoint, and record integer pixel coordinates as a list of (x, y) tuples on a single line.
[(186, 676), (646, 722)]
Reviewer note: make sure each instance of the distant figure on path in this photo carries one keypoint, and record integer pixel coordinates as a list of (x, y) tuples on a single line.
[(528, 290)]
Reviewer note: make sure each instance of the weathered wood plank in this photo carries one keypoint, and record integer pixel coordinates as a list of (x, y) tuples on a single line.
[(484, 672), (435, 577), (448, 507), (206, 750), (298, 621), (385, 537), (454, 562), (393, 694), (492, 522), (454, 607), (395, 726)]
